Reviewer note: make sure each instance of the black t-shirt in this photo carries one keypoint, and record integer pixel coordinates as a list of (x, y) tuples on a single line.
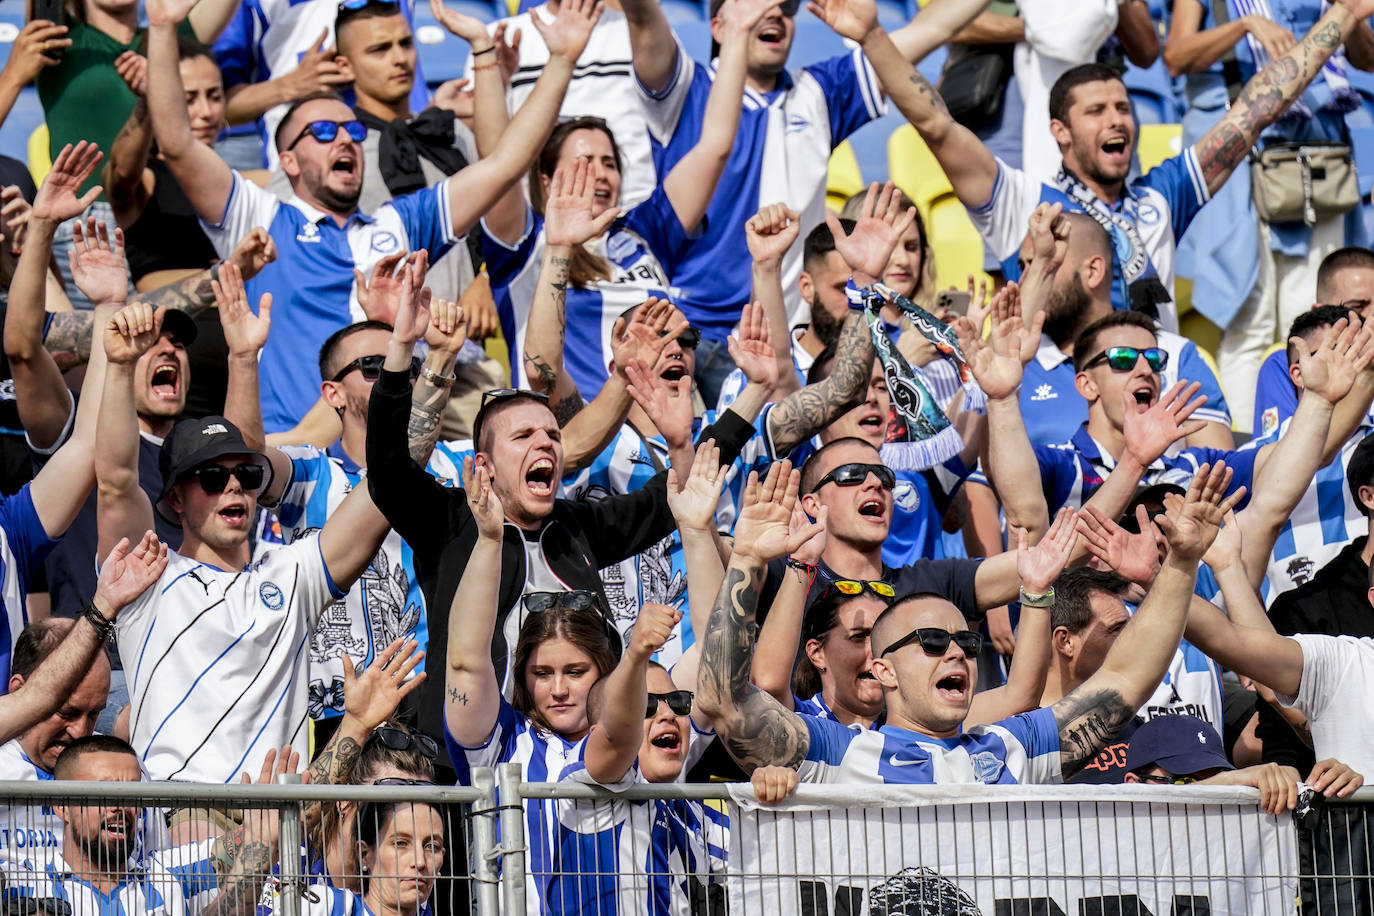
[(1108, 768), (953, 578)]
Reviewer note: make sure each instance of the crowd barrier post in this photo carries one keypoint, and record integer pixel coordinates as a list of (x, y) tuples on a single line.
[(486, 856), (513, 842)]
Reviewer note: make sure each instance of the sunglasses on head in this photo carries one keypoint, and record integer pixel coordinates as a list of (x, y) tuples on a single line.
[(501, 394), (688, 339), (935, 641), (213, 478), (398, 739), (851, 475), (326, 131), (371, 368), (679, 701), (575, 600), (1123, 359)]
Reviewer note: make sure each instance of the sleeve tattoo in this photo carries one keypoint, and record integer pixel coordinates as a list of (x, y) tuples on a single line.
[(427, 406), (756, 729), (1086, 723), (804, 412), (69, 338)]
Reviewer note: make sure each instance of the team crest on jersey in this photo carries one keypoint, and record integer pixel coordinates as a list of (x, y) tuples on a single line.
[(619, 246), (1147, 214), (309, 233), (796, 124), (271, 596), (905, 496), (986, 766), (1269, 421), (384, 242), (1300, 570), (1044, 393)]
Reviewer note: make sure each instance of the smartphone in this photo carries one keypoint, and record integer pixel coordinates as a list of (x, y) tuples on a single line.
[(954, 301), (51, 10)]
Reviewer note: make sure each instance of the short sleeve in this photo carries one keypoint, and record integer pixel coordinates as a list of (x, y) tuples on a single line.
[(953, 577), (1002, 220), (25, 535), (504, 261), (1193, 368), (1179, 179), (851, 92), (248, 208), (656, 222), (496, 749), (829, 740), (1323, 669), (1059, 474), (309, 469), (1276, 398), (427, 219), (663, 108), (1038, 734)]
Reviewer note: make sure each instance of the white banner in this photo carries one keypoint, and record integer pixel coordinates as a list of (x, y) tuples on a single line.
[(1009, 851)]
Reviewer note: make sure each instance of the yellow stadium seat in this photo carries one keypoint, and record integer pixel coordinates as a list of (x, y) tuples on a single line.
[(496, 348), (914, 169), (1158, 142), (956, 244), (844, 179), (40, 159)]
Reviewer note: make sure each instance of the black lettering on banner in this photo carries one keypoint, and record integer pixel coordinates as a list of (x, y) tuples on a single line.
[(1185, 905), (849, 901), (1118, 905), (1042, 906)]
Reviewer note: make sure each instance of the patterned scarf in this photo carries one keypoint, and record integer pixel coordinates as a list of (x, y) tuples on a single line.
[(1127, 243)]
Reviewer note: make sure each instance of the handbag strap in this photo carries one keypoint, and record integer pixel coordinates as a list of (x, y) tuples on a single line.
[(1230, 67)]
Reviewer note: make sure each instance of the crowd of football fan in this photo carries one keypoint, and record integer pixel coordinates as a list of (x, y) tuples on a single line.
[(556, 415)]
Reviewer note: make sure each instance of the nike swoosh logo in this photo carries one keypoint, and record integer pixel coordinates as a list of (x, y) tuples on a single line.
[(896, 761)]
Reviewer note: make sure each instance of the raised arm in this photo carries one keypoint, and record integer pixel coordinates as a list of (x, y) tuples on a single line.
[(756, 729), (124, 576), (779, 641), (769, 234), (448, 331), (209, 17), (1273, 89), (36, 47), (971, 168), (613, 743), (205, 177), (1089, 716), (128, 183), (692, 182), (654, 49), (1137, 32), (936, 24), (471, 689), (472, 191)]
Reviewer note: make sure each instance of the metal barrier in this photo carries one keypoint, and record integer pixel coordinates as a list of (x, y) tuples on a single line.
[(505, 846)]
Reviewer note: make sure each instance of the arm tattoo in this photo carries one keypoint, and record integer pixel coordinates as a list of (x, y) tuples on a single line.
[(756, 729), (567, 408), (537, 366), (242, 862), (192, 295), (457, 697), (1086, 723), (332, 766), (69, 338), (427, 405), (932, 95), (804, 412)]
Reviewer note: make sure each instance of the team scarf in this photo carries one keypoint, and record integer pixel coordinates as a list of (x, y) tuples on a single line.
[(919, 434), (1334, 71)]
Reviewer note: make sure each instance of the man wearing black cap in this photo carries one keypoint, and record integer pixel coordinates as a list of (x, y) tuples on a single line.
[(221, 644)]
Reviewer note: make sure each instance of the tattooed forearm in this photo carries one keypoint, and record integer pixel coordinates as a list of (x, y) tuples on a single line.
[(242, 863), (929, 93), (538, 371), (1086, 723), (69, 338), (332, 766), (756, 729), (427, 405), (565, 409), (192, 295), (803, 413)]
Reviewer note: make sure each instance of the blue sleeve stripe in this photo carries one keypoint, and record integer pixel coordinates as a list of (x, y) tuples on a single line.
[(228, 204), (872, 96), (679, 64), (445, 212), (1195, 176), (328, 578), (992, 198)]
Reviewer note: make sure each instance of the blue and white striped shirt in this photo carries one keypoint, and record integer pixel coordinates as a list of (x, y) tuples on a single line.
[(24, 543)]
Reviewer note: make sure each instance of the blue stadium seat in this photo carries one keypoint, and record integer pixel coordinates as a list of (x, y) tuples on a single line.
[(814, 42), (679, 11), (893, 14), (696, 38), (26, 115), (444, 56)]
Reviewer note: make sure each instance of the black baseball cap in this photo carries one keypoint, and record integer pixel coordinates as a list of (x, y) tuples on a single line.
[(180, 326), (1360, 471), (1183, 745), (193, 443)]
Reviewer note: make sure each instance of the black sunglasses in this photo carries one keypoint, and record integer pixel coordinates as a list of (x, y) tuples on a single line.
[(935, 641), (575, 600), (326, 131), (398, 739), (371, 368), (851, 475), (354, 5), (679, 701), (213, 478), (1166, 780), (502, 394), (402, 781), (688, 339), (1123, 359)]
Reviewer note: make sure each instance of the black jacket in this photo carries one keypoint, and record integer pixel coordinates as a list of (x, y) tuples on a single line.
[(1334, 603), (580, 537)]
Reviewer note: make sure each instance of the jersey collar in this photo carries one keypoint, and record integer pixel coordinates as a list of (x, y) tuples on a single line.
[(1049, 356), (317, 216)]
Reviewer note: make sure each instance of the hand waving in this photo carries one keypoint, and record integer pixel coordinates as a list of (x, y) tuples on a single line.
[(483, 502), (126, 574), (1040, 565), (1149, 434), (694, 501), (852, 19), (1329, 371), (373, 696), (644, 336), (1192, 521), (254, 252), (880, 226), (469, 28), (381, 296), (1135, 557), (244, 332), (567, 35), (568, 218), (669, 403), (56, 200), (763, 531), (752, 348), (97, 263)]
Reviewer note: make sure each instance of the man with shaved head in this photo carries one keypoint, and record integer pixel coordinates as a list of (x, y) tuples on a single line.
[(925, 659)]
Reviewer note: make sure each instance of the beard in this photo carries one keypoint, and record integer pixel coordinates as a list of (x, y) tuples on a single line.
[(1065, 309), (823, 324), (107, 855)]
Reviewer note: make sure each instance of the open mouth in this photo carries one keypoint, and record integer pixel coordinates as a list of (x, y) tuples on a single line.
[(873, 422), (952, 687), (674, 372), (1144, 397), (1116, 146), (539, 478), (602, 195), (872, 508), (772, 33), (345, 165), (668, 741), (166, 381), (116, 826), (235, 516)]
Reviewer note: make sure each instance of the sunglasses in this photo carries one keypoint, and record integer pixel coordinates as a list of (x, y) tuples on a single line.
[(398, 739), (326, 131), (935, 641), (1123, 359), (688, 339), (679, 701), (213, 478), (354, 5), (575, 600), (1167, 780), (371, 368), (501, 394), (859, 586), (851, 475), (402, 781)]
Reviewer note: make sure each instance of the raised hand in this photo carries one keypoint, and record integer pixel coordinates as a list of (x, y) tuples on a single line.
[(507, 52), (646, 334), (998, 364), (763, 531), (14, 213), (880, 226), (1149, 434), (381, 297), (167, 12), (479, 308), (568, 218), (131, 331), (979, 305), (56, 200), (455, 97), (811, 533), (853, 19), (483, 502), (1330, 370), (693, 502), (469, 28), (1225, 550), (448, 327), (669, 403), (1040, 565), (752, 347), (653, 627), (244, 332), (132, 68), (770, 232), (373, 696), (126, 573), (253, 252), (97, 263), (567, 35), (317, 71), (33, 50), (1192, 521), (1134, 557)]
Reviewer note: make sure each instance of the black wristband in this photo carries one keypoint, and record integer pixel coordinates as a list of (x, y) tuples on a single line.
[(483, 51), (103, 626)]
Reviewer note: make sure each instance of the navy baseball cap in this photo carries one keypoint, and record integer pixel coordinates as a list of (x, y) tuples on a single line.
[(1360, 471), (1183, 745)]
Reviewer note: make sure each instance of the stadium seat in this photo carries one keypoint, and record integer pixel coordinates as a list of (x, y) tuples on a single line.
[(24, 117), (814, 41), (679, 11), (1158, 142), (957, 246), (844, 179), (444, 56), (1152, 94), (914, 169), (39, 154), (870, 145)]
